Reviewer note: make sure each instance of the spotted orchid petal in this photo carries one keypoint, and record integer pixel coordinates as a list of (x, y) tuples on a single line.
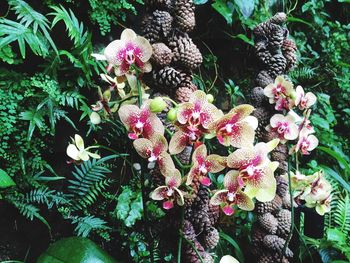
[(216, 162), (230, 180), (199, 155), (146, 48), (143, 147), (178, 142), (179, 197), (111, 52), (243, 157), (166, 164), (219, 197), (173, 180), (159, 193), (244, 202)]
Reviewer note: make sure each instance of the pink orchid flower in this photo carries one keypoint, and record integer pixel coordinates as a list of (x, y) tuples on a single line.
[(281, 93), (236, 128), (182, 138), (129, 50), (197, 112), (170, 191), (140, 122), (204, 164), (284, 127), (155, 150), (231, 196), (304, 101), (254, 170), (306, 142)]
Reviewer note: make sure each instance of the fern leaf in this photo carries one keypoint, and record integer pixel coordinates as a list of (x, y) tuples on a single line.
[(87, 224), (75, 29)]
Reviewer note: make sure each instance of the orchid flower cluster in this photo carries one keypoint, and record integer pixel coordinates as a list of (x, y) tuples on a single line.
[(290, 126), (249, 170), (129, 57), (312, 190)]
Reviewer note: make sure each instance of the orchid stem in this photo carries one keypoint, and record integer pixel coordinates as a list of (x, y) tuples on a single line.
[(142, 176), (179, 249), (171, 100)]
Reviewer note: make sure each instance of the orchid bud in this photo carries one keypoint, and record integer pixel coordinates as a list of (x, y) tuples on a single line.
[(210, 98), (172, 114), (95, 118), (157, 105)]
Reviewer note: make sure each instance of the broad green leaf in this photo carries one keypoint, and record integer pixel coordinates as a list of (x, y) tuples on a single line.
[(341, 160), (200, 2), (246, 7), (223, 9), (299, 20), (75, 250), (5, 180), (336, 176), (336, 235), (238, 250)]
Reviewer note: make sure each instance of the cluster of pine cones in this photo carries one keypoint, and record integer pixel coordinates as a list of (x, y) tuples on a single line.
[(278, 56), (166, 25)]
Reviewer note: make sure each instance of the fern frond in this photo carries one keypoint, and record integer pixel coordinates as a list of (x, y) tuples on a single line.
[(87, 224), (75, 29), (33, 28), (71, 98), (302, 73), (30, 211), (93, 193), (341, 214), (46, 196)]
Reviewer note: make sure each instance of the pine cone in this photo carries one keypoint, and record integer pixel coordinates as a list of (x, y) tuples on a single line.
[(207, 258), (263, 79), (184, 90), (258, 235), (280, 153), (286, 201), (195, 185), (168, 78), (277, 65), (268, 207), (263, 116), (264, 30), (186, 53), (258, 97), (262, 52), (157, 26), (279, 18), (162, 54), (284, 218), (185, 155), (200, 220), (157, 177), (268, 257), (201, 201), (276, 243), (184, 15), (289, 50), (282, 186), (211, 238), (268, 222), (276, 38), (190, 254), (213, 214)]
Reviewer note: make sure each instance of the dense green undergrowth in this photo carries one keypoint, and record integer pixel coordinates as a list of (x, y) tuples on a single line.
[(48, 79)]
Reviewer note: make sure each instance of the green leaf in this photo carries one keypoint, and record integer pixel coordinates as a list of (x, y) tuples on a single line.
[(299, 20), (238, 250), (246, 7), (223, 9), (336, 235), (336, 176), (341, 160), (200, 2), (75, 250), (5, 180), (242, 37)]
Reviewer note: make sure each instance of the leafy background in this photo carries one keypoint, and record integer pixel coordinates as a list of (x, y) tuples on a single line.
[(48, 79)]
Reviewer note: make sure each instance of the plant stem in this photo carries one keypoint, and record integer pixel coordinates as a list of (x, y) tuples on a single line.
[(179, 248), (194, 248)]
